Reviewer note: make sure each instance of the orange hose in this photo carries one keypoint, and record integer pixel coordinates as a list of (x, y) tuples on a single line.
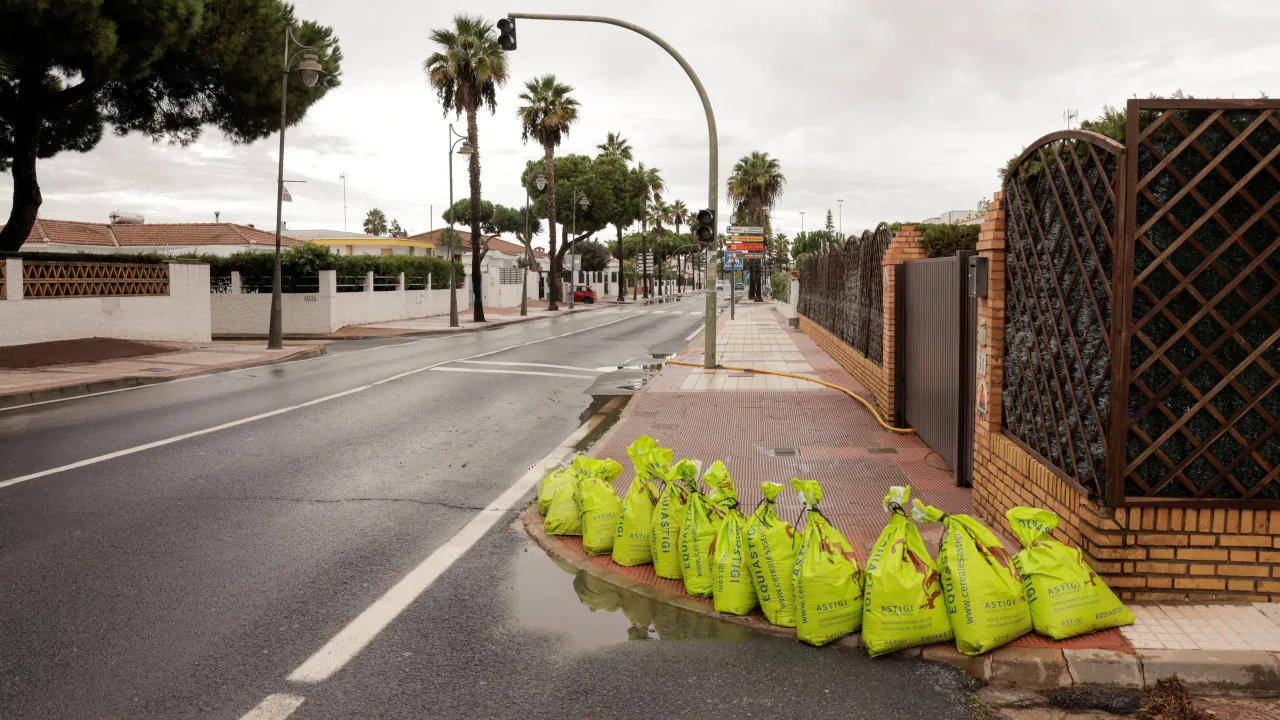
[(846, 391)]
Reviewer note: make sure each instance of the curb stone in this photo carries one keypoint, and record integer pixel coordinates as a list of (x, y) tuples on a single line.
[(32, 397), (1018, 670)]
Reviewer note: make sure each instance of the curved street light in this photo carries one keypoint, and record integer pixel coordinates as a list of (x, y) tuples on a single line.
[(584, 203), (310, 71), (465, 151)]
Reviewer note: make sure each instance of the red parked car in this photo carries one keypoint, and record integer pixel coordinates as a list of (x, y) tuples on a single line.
[(584, 294)]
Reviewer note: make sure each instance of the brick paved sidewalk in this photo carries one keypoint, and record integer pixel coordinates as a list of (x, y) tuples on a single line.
[(776, 431), (37, 384)]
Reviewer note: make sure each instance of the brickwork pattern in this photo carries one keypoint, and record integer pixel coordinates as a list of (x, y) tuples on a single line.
[(1150, 553)]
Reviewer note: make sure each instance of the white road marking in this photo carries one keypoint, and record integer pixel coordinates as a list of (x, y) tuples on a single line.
[(279, 411), (693, 334), (275, 707), (513, 372), (528, 364), (356, 636)]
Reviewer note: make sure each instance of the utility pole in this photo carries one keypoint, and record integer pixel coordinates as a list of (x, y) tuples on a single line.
[(343, 176)]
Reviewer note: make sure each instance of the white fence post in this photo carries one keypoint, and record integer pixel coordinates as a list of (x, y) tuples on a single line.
[(13, 279), (400, 284), (236, 284), (368, 281)]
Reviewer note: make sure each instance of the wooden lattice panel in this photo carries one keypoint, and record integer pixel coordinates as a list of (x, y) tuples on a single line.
[(1203, 341), (1061, 238), (52, 279)]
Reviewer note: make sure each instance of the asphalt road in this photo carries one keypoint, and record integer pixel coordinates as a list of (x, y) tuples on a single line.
[(178, 551)]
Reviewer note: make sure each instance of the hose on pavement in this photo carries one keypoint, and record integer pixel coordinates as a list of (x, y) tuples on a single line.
[(846, 391)]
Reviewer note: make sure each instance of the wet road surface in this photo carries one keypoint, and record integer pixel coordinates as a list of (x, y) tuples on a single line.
[(179, 550)]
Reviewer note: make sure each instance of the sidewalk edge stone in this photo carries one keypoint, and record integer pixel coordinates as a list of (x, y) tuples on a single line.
[(1104, 667), (1215, 672)]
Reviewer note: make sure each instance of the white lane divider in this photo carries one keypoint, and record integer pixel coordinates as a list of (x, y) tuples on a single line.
[(280, 411), (354, 637), (275, 707), (512, 372), (528, 364)]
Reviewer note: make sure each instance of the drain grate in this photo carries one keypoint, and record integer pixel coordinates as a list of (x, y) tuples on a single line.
[(882, 451), (784, 452)]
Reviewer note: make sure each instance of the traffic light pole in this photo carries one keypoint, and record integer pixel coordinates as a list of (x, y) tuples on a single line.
[(713, 179)]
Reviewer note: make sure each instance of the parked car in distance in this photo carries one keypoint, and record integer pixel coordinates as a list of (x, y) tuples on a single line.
[(584, 294)]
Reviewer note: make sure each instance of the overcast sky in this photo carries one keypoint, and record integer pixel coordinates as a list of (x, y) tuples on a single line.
[(903, 108)]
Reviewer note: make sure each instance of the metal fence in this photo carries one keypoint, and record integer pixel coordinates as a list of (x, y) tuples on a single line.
[(1142, 332), (842, 289)]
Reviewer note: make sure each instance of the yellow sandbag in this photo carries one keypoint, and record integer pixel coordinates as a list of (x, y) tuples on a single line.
[(600, 506), (564, 516), (1065, 596), (668, 518), (559, 477), (902, 602), (651, 462), (982, 587), (773, 544), (631, 545), (733, 591), (828, 583), (702, 520)]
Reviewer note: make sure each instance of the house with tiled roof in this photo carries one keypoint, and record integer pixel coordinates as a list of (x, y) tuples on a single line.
[(164, 238), (350, 243)]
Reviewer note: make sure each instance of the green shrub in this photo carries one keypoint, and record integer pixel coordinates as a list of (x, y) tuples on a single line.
[(781, 285), (947, 240), (146, 258), (308, 259)]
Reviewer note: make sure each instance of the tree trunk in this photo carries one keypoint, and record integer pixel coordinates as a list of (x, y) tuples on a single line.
[(644, 248), (553, 273), (622, 283), (26, 191), (477, 243)]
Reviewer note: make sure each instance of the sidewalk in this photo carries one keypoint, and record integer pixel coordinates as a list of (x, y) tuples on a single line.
[(771, 428), (168, 361)]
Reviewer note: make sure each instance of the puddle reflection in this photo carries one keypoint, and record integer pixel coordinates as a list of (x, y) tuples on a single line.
[(592, 613)]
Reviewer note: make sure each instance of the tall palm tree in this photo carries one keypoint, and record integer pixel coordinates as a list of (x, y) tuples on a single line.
[(654, 186), (548, 112), (616, 146), (754, 188), (679, 211), (466, 72), (375, 222), (659, 213)]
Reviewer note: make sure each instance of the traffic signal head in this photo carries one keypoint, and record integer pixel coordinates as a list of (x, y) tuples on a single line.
[(706, 230), (507, 33)]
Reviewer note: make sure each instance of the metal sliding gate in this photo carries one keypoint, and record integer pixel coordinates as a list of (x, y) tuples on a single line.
[(936, 340)]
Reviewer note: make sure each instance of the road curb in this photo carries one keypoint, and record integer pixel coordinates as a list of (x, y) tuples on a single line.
[(411, 335), (1248, 674), (19, 399)]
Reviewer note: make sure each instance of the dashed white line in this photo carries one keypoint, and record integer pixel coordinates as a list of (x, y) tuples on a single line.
[(355, 636), (512, 372), (275, 707), (527, 364), (279, 411)]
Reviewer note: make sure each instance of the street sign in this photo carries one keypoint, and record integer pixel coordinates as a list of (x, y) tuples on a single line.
[(751, 256), (744, 230), (732, 262), (744, 246)]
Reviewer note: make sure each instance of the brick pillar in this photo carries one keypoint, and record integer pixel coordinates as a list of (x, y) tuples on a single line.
[(988, 410), (905, 246)]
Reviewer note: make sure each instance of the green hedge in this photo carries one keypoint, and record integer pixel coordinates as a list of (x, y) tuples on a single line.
[(146, 258), (946, 240), (781, 286), (309, 259)]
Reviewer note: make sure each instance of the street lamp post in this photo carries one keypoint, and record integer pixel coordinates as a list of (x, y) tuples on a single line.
[(540, 182), (713, 156), (464, 151), (310, 71), (528, 259), (573, 274)]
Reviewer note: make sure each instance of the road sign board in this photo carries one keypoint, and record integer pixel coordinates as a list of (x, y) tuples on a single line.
[(751, 256), (732, 262), (744, 246), (744, 230)]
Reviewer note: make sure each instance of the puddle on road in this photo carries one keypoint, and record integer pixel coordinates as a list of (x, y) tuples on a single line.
[(591, 613)]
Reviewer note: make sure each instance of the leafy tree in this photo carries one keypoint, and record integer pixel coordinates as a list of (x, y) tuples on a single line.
[(830, 224), (375, 222), (546, 116), (983, 206), (524, 225), (163, 68), (395, 231), (654, 187), (466, 72), (754, 188), (616, 146), (780, 253), (595, 256), (461, 213), (946, 240), (617, 197)]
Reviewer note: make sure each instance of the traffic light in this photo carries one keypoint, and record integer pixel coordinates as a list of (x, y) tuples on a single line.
[(706, 230), (507, 33)]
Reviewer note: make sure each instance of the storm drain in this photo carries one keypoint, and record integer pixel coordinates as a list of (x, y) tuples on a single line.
[(784, 452), (882, 451)]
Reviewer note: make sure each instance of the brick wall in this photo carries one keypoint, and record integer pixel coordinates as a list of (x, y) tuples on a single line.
[(871, 376), (1144, 553)]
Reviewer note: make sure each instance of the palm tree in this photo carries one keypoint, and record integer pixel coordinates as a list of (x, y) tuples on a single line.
[(616, 146), (654, 186), (754, 188), (659, 213), (466, 73), (548, 112), (375, 222), (679, 211)]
